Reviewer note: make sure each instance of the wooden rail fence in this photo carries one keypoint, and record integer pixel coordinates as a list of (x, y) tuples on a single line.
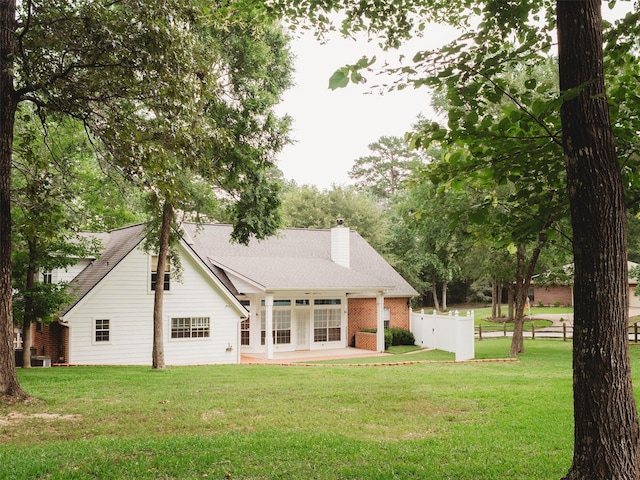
[(565, 332)]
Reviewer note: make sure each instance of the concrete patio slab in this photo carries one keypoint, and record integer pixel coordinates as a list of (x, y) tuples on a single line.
[(284, 358)]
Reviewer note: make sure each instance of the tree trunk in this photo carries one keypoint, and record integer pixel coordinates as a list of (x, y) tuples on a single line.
[(499, 298), (28, 317), (158, 335), (494, 296), (523, 281), (510, 301), (517, 341), (606, 429), (9, 385), (444, 296), (434, 292)]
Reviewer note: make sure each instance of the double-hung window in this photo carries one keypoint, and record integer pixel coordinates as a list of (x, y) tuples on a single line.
[(102, 329), (327, 320), (245, 332), (190, 327), (245, 326), (281, 328), (154, 273)]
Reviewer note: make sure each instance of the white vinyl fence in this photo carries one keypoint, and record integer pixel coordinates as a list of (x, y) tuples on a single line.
[(451, 333), (17, 339)]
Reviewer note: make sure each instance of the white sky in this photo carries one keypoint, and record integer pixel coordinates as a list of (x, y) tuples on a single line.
[(332, 128)]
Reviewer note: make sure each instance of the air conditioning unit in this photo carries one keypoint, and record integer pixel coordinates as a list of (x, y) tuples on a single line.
[(40, 361)]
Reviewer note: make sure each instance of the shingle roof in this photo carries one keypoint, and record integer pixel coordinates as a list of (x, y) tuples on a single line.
[(117, 245), (297, 259)]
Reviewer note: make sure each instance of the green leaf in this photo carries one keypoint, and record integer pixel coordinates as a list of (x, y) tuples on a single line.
[(365, 62), (339, 79)]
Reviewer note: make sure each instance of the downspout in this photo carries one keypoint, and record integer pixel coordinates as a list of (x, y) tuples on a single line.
[(380, 322)]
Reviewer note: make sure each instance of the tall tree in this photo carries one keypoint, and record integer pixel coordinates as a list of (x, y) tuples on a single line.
[(308, 207), (9, 384), (428, 230), (386, 169), (607, 433), (232, 146), (42, 173), (128, 70), (503, 144)]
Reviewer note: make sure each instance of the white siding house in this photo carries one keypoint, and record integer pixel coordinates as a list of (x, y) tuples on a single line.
[(301, 289), (112, 323)]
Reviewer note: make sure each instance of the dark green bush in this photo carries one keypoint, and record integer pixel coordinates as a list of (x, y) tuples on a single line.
[(394, 336), (400, 336), (388, 338)]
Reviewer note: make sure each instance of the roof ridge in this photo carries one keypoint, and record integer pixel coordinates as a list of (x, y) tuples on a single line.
[(215, 224)]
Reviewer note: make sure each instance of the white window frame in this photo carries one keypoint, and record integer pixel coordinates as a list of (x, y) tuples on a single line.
[(331, 309), (191, 328), (95, 330), (386, 318), (153, 266), (281, 327), (245, 325)]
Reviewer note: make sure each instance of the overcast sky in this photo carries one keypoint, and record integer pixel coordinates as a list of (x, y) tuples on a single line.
[(334, 128)]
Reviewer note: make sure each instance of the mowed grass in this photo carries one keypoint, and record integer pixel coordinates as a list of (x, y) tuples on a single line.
[(431, 420)]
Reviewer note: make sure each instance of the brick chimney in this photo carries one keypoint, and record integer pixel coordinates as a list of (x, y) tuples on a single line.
[(340, 252)]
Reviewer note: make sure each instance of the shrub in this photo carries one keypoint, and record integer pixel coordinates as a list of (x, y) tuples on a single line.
[(388, 338), (394, 336), (400, 336)]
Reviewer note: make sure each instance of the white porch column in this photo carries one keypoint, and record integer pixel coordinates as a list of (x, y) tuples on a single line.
[(380, 322), (268, 325)]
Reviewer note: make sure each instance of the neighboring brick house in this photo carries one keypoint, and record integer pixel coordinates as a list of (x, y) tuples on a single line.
[(562, 293), (550, 295), (311, 289)]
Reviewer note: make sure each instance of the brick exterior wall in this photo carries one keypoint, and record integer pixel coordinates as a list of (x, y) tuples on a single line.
[(50, 340), (367, 341), (363, 313), (552, 294)]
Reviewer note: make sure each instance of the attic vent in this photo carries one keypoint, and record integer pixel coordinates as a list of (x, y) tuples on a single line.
[(340, 251)]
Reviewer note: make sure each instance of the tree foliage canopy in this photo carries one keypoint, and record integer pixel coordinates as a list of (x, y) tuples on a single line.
[(384, 172)]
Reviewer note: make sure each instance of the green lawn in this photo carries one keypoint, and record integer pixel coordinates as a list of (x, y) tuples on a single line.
[(483, 313), (430, 420)]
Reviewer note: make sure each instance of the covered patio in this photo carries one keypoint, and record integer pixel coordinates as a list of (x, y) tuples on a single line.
[(283, 358)]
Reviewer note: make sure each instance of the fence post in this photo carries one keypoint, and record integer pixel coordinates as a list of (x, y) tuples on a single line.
[(564, 331), (479, 332), (504, 329), (533, 331)]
